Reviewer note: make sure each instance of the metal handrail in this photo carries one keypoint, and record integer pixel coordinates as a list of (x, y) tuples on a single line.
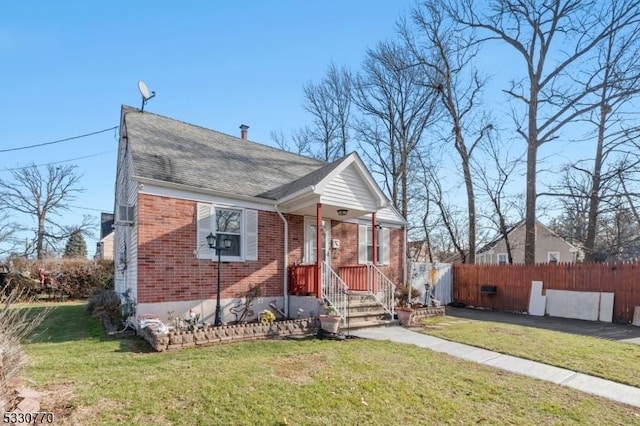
[(334, 290), (382, 288)]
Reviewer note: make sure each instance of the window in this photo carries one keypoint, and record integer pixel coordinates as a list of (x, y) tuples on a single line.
[(310, 249), (553, 257), (365, 245), (228, 228), (502, 259), (370, 244), (238, 225)]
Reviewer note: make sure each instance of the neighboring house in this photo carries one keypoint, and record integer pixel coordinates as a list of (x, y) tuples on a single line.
[(550, 248), (176, 183), (104, 247)]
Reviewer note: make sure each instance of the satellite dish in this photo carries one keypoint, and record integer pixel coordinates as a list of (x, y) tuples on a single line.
[(144, 91)]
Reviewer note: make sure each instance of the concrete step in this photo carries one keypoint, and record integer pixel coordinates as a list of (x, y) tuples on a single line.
[(379, 311), (355, 325)]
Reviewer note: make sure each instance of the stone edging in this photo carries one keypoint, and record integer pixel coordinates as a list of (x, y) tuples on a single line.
[(210, 335), (431, 311)]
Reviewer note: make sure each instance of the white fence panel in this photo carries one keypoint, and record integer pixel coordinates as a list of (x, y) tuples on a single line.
[(437, 278)]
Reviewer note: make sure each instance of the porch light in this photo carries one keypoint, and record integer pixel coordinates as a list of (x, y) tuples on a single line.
[(342, 212), (211, 241)]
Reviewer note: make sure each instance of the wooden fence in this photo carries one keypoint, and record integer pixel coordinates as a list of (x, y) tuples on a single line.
[(514, 284)]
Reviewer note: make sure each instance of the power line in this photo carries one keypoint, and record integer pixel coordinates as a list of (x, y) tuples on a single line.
[(90, 208), (60, 140), (61, 161)]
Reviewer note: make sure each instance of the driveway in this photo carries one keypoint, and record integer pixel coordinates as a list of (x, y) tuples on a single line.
[(621, 332)]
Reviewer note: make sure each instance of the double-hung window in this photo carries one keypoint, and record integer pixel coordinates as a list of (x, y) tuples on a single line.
[(365, 244), (238, 225), (228, 228)]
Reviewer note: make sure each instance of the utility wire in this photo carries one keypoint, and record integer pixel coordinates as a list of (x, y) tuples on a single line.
[(60, 140), (61, 161), (90, 208)]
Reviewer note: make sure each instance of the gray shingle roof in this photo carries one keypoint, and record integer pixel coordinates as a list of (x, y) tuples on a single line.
[(305, 181), (173, 151)]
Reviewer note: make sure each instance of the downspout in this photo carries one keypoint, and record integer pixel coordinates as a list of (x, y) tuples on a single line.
[(404, 257), (286, 260)]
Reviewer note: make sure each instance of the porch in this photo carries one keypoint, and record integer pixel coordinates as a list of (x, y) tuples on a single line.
[(362, 294), (303, 279)]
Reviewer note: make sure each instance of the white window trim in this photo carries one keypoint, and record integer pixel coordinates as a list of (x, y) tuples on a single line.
[(506, 258), (211, 254), (550, 253)]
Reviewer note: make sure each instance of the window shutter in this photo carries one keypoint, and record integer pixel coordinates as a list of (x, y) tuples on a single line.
[(204, 227), (362, 244), (386, 246), (251, 234)]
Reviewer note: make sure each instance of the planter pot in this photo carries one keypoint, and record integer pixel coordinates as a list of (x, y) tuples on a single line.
[(330, 323), (404, 316)]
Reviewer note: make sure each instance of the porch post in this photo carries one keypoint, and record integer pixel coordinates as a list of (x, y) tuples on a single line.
[(373, 237), (319, 249)]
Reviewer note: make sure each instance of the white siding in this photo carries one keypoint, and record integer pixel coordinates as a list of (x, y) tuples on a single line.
[(125, 236), (348, 189)]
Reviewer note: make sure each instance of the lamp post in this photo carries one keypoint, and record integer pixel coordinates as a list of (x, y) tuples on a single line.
[(211, 241)]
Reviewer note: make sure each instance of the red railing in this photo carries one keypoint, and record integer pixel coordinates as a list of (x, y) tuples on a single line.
[(357, 277), (303, 280)]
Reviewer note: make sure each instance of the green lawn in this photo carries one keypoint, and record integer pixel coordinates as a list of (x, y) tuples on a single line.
[(92, 380), (617, 361)]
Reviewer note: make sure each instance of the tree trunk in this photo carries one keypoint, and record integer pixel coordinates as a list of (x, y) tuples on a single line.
[(594, 197), (532, 158), (471, 258), (40, 238)]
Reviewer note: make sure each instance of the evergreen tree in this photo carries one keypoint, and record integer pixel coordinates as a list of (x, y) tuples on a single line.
[(76, 246)]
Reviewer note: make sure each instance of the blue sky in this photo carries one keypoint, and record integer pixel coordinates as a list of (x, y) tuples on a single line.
[(68, 66)]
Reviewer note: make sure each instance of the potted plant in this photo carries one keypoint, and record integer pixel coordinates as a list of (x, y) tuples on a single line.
[(404, 295), (330, 320)]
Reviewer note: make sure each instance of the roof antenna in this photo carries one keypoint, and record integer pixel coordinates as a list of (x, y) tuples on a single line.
[(144, 91)]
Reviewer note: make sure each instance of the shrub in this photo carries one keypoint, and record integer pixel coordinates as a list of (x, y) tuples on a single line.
[(106, 303), (405, 294), (15, 325)]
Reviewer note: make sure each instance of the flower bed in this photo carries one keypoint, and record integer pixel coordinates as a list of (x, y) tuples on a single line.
[(210, 335)]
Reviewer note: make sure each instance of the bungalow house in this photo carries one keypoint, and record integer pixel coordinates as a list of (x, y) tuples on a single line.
[(550, 247), (303, 230)]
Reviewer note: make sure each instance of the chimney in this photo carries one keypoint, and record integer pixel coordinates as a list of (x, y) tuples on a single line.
[(243, 131)]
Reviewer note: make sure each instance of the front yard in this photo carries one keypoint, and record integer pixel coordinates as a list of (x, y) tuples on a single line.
[(617, 361), (93, 380)]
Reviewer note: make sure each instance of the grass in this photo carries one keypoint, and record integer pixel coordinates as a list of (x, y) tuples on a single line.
[(617, 361), (89, 379)]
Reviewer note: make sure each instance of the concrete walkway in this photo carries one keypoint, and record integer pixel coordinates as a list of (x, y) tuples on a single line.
[(605, 388)]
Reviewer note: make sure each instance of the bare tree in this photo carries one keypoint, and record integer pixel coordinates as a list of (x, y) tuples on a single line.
[(338, 83), (619, 77), (8, 230), (448, 217), (447, 58), (329, 103), (492, 177), (43, 197), (555, 40), (298, 142), (396, 108)]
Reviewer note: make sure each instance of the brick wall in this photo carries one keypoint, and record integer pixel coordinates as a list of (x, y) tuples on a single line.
[(169, 271)]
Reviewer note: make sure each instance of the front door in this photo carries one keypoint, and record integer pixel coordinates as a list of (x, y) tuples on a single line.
[(310, 255)]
